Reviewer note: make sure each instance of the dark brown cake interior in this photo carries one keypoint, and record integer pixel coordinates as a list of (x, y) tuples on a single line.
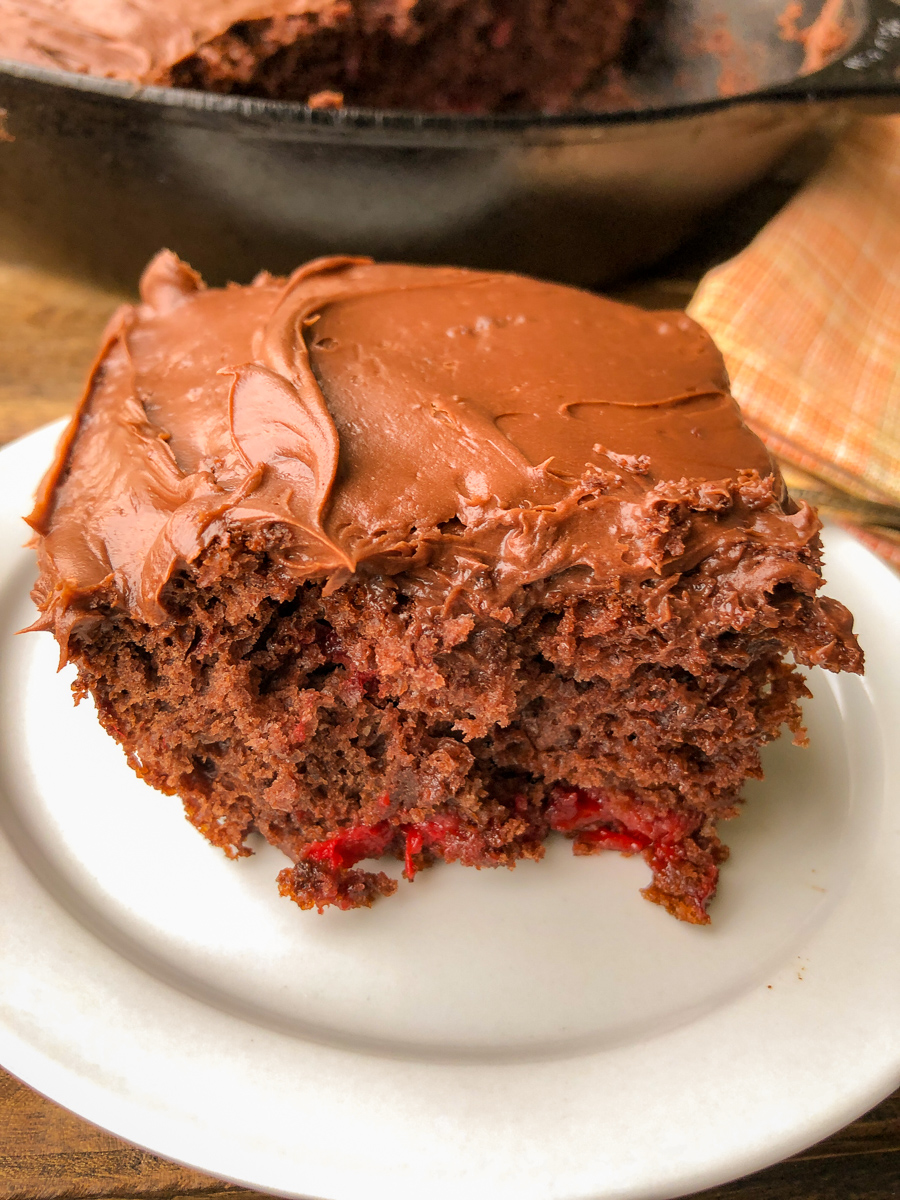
[(270, 707), (466, 57), (442, 56)]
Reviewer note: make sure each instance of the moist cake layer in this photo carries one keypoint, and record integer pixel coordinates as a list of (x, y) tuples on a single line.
[(430, 562), (429, 55)]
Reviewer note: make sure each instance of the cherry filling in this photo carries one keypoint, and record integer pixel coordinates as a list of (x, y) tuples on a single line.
[(351, 846), (683, 853), (593, 840), (444, 835), (572, 810)]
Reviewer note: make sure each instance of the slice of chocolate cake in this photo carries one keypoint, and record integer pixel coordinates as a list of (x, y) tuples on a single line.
[(428, 55), (430, 563)]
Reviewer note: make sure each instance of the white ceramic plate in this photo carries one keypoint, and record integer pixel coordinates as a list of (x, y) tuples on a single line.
[(542, 1033)]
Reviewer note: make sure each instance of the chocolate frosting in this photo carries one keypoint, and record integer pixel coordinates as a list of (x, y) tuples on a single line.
[(141, 40), (478, 432)]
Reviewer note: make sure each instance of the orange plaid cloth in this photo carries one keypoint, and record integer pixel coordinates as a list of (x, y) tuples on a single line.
[(808, 319)]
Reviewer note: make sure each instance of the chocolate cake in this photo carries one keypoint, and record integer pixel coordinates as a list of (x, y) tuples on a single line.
[(394, 560), (426, 55)]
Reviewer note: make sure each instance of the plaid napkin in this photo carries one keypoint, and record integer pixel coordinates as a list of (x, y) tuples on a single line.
[(808, 318)]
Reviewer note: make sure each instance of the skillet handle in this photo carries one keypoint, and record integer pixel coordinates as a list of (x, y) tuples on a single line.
[(868, 73)]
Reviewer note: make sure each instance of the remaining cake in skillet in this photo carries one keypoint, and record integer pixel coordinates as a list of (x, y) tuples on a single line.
[(431, 55), (431, 563)]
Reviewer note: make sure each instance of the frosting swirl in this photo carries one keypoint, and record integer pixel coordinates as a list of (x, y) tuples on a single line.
[(478, 432)]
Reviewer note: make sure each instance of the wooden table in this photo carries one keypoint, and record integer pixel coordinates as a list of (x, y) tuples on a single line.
[(49, 329)]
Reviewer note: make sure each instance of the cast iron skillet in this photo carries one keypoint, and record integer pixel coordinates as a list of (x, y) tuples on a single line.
[(101, 174)]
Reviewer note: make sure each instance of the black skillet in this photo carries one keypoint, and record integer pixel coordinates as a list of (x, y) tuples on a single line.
[(99, 174)]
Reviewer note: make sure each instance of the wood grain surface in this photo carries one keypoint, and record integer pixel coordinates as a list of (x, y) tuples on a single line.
[(49, 330)]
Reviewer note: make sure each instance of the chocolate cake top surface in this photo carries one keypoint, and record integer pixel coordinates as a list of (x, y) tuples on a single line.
[(477, 432), (140, 40)]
